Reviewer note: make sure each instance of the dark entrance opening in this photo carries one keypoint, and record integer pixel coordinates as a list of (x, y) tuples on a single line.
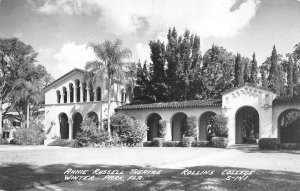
[(247, 125), (289, 126), (77, 120), (153, 124), (64, 126), (205, 128), (178, 121)]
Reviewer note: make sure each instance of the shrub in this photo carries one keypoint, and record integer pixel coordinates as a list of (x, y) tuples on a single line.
[(187, 141), (131, 132), (33, 135), (200, 143), (147, 144), (157, 142), (190, 127), (219, 142), (220, 126), (268, 143), (91, 136), (290, 146), (172, 144), (162, 127), (249, 140)]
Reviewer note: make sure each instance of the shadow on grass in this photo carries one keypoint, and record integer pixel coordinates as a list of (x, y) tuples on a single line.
[(253, 148), (23, 176)]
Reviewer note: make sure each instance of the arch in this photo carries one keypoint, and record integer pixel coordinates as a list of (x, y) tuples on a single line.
[(77, 120), (93, 116), (98, 94), (91, 89), (65, 95), (267, 99), (77, 89), (289, 126), (58, 96), (71, 92), (178, 121), (153, 124), (246, 125), (63, 125), (205, 124)]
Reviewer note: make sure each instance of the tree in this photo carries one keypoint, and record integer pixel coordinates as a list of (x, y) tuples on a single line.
[(239, 68), (275, 80), (131, 76), (17, 71), (247, 69), (109, 65), (217, 72), (289, 77), (253, 76)]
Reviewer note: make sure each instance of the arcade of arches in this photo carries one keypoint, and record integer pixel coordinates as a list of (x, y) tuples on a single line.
[(289, 126)]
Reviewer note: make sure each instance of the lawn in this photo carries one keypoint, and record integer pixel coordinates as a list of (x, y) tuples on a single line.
[(40, 168)]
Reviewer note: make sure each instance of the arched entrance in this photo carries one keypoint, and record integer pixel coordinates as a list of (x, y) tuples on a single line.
[(153, 124), (94, 117), (204, 123), (247, 125), (77, 120), (64, 126), (178, 121), (289, 126)]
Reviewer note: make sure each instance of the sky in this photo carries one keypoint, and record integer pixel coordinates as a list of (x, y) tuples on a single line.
[(59, 30)]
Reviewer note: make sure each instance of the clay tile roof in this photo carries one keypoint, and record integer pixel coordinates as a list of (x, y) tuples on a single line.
[(286, 98), (190, 103)]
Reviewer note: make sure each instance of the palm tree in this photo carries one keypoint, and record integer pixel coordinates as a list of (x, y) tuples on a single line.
[(108, 67)]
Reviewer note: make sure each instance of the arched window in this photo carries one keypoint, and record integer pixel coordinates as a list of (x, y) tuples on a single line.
[(91, 92), (84, 92), (98, 94), (71, 88), (58, 96), (65, 94), (77, 84), (123, 98), (267, 99)]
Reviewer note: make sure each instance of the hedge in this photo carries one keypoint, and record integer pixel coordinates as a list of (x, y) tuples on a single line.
[(219, 142), (172, 144), (157, 142), (187, 141), (268, 143), (200, 143)]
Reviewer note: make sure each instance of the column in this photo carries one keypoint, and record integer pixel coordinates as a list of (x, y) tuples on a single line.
[(70, 129), (168, 136), (88, 94), (74, 94), (68, 96), (62, 96), (81, 92)]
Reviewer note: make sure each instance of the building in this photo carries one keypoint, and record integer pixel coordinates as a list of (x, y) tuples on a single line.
[(66, 106), (70, 99)]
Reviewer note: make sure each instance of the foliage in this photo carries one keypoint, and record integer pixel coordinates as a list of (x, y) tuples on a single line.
[(162, 128), (32, 135), (200, 143), (268, 143), (239, 68), (187, 141), (219, 125), (290, 146), (91, 136), (190, 126), (131, 132), (172, 144), (253, 76), (108, 67), (147, 144), (157, 142), (289, 126), (219, 142)]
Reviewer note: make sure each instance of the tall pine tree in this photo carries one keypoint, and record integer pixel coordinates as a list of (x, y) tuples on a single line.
[(253, 76), (275, 81), (239, 68)]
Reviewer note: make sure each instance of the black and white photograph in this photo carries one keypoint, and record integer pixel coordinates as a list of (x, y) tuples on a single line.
[(150, 95)]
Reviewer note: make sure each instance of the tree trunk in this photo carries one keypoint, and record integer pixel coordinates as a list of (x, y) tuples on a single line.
[(0, 118), (27, 115), (108, 107)]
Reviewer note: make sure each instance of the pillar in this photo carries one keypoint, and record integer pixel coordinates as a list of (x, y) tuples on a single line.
[(62, 96), (70, 128), (81, 92), (74, 94), (68, 96), (168, 136)]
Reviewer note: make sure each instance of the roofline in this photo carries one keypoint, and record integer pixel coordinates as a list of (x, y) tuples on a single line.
[(249, 85)]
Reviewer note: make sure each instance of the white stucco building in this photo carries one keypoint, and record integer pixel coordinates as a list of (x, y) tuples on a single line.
[(66, 106)]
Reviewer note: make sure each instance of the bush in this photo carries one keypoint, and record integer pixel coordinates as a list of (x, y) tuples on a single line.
[(290, 146), (147, 144), (33, 135), (131, 132), (157, 142), (219, 142), (200, 143), (91, 136), (187, 141), (172, 144), (220, 126), (190, 127), (162, 127), (268, 143), (249, 140)]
